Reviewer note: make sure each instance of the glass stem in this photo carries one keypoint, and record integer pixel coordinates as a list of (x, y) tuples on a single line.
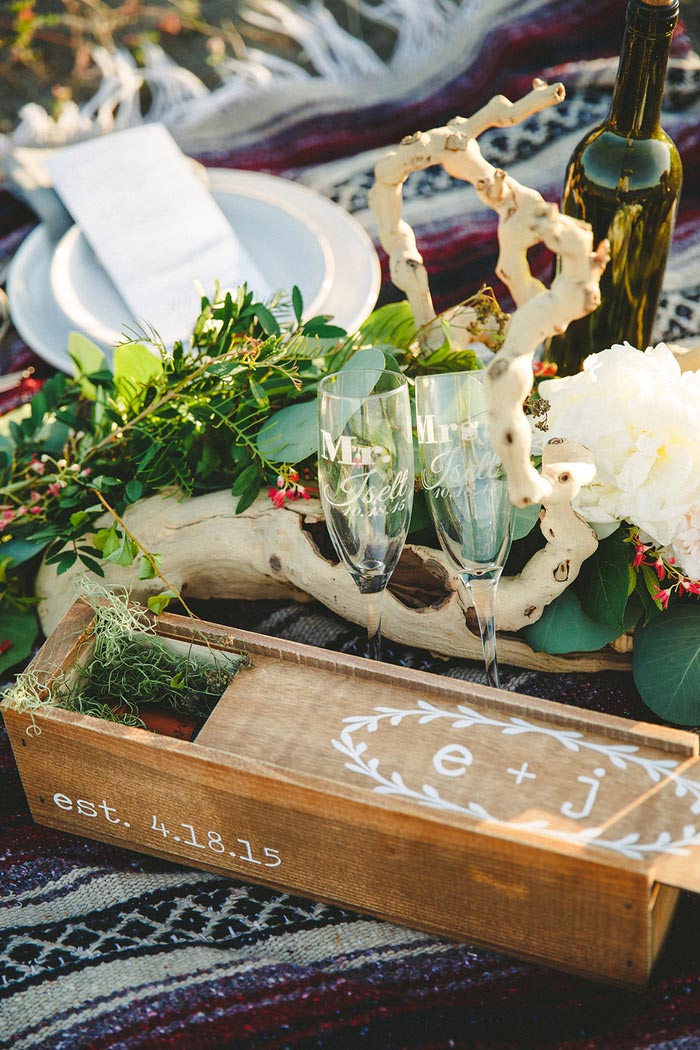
[(373, 607), (482, 590)]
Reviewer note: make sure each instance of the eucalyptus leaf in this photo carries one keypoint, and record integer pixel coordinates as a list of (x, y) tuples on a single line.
[(20, 550), (606, 585), (666, 663), (565, 628), (524, 520), (19, 627), (291, 435), (370, 357)]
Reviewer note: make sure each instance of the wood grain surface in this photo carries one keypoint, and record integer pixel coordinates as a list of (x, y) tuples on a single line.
[(458, 808)]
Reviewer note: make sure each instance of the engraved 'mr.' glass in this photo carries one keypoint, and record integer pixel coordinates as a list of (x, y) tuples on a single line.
[(365, 474)]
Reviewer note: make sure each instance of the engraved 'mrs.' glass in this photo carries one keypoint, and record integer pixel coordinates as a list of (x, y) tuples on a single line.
[(365, 475), (466, 490)]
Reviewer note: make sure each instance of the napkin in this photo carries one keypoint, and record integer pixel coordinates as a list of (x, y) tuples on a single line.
[(156, 230)]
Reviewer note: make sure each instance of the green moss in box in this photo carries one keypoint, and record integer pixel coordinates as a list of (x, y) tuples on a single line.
[(129, 667)]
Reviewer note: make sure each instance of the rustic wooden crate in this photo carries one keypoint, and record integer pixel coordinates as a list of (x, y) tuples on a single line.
[(547, 832)]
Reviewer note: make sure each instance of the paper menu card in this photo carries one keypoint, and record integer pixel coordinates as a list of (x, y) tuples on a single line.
[(152, 224)]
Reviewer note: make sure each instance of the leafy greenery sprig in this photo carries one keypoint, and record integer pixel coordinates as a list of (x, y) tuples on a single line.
[(235, 408), (184, 421)]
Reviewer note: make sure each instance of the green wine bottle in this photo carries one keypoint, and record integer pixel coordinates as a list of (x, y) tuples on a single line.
[(624, 178)]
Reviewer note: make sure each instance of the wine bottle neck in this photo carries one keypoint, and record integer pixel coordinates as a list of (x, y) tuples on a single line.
[(639, 86)]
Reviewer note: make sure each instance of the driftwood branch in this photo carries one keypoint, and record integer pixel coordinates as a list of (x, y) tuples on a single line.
[(524, 220), (208, 551)]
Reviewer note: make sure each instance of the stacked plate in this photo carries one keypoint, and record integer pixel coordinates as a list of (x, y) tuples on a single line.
[(294, 235)]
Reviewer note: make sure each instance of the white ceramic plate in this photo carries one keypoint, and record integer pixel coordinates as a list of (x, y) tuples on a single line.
[(295, 236)]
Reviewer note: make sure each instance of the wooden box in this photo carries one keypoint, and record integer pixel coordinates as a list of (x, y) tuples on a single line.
[(527, 826)]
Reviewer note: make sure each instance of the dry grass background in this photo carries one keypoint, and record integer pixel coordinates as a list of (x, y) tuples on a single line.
[(45, 46)]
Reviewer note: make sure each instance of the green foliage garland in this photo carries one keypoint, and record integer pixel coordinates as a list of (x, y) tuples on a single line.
[(236, 409)]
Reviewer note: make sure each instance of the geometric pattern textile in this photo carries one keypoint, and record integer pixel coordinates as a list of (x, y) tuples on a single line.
[(103, 949)]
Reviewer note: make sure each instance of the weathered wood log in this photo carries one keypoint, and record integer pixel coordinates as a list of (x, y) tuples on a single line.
[(525, 219), (210, 552)]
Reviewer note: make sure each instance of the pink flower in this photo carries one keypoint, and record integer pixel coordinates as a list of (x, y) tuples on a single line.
[(54, 488), (662, 597), (21, 511), (37, 466), (639, 552), (8, 514), (690, 587), (660, 568), (288, 487), (35, 509)]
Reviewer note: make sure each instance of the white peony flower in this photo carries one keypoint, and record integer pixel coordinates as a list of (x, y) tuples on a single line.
[(686, 544), (640, 417)]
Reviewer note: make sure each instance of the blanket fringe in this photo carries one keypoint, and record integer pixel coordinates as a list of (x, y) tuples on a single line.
[(178, 98)]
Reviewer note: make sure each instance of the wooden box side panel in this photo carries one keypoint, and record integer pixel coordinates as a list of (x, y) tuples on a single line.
[(181, 804), (662, 908)]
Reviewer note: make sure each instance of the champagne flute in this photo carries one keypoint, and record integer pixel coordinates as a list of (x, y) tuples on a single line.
[(467, 491), (365, 474)]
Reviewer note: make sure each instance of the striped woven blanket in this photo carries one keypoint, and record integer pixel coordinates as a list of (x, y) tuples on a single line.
[(102, 949)]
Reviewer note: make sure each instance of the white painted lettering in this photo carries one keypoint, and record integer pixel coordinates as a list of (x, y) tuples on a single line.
[(452, 760), (86, 809), (107, 810)]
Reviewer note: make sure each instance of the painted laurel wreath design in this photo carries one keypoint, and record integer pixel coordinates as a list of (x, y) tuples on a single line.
[(619, 755)]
